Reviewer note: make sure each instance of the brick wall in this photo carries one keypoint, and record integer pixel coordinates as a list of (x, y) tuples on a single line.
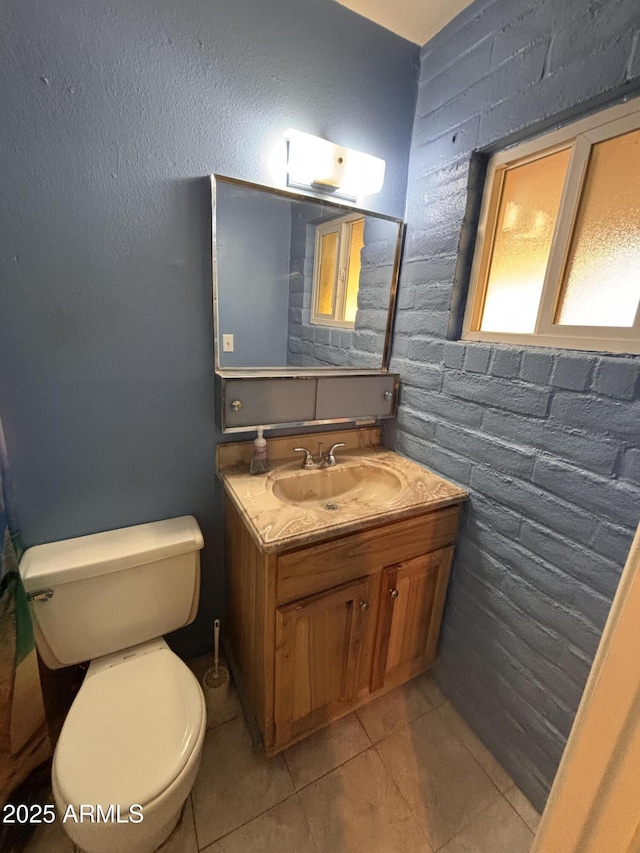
[(546, 441)]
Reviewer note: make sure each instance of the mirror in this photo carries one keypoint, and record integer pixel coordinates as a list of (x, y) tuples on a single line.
[(299, 281)]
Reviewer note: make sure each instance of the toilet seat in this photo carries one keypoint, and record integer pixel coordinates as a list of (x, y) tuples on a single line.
[(131, 730)]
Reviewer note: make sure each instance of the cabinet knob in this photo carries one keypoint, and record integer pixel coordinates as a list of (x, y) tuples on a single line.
[(364, 606), (236, 405), (394, 593), (388, 395)]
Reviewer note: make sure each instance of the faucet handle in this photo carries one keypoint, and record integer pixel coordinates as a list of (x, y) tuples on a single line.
[(330, 459), (308, 459), (335, 447)]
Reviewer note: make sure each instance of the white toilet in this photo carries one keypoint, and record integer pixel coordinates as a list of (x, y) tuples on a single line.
[(134, 733)]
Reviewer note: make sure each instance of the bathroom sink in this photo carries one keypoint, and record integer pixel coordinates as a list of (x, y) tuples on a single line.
[(332, 488)]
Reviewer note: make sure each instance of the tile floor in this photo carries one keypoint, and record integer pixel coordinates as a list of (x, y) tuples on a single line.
[(404, 773)]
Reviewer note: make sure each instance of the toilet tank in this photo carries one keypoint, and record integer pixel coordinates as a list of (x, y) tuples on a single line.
[(98, 594)]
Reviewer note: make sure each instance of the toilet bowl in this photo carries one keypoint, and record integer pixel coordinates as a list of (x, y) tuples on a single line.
[(131, 744), (133, 736)]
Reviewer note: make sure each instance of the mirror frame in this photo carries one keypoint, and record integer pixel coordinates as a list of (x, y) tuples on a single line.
[(305, 197)]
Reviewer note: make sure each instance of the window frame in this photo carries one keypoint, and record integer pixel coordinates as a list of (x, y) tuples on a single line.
[(341, 225), (580, 136)]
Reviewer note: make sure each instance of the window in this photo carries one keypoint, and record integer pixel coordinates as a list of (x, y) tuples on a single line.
[(557, 259), (336, 271)]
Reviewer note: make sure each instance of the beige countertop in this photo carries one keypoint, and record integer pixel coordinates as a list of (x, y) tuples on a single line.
[(279, 526)]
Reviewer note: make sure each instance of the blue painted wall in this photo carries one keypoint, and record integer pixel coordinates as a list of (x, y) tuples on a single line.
[(112, 113), (546, 441), (253, 237)]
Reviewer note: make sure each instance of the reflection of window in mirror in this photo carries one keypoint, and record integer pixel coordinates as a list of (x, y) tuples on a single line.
[(336, 271)]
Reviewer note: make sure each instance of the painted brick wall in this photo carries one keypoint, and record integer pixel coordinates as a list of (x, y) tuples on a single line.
[(546, 441)]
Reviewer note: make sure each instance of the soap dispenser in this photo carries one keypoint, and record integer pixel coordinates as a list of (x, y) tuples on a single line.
[(259, 462)]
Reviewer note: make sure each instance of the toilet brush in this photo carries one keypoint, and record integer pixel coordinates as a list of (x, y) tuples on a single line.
[(215, 685)]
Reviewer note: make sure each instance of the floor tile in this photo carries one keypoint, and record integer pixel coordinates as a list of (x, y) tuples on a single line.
[(497, 830), (283, 829), (358, 809), (427, 684), (50, 838), (437, 776), (325, 750), (183, 838), (235, 784), (485, 759), (521, 804), (395, 709)]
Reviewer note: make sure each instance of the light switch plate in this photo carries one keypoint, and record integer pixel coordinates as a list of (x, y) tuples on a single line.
[(227, 343)]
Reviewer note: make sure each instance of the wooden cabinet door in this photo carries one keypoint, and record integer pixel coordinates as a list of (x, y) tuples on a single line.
[(409, 615), (319, 649)]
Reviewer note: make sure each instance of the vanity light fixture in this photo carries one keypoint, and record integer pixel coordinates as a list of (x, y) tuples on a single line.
[(322, 166)]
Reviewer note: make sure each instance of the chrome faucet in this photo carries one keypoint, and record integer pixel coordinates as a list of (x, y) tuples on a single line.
[(330, 460), (327, 461)]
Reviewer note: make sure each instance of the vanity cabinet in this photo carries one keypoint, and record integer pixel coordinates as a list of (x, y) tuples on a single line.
[(316, 631)]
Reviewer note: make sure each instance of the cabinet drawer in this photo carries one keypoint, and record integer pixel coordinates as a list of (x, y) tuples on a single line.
[(337, 561)]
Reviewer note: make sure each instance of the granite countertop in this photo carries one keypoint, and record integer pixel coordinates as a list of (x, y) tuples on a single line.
[(279, 526)]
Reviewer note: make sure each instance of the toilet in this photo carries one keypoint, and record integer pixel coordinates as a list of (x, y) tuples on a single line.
[(133, 736)]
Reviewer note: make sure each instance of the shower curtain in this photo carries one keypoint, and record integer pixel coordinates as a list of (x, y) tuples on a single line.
[(24, 742)]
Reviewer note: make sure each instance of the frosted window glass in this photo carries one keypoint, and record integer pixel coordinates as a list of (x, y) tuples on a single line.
[(353, 276), (327, 276), (602, 281), (524, 229)]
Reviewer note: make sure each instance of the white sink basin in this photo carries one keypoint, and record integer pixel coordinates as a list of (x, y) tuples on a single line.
[(333, 487)]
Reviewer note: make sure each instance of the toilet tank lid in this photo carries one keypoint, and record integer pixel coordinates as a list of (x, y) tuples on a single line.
[(112, 551)]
